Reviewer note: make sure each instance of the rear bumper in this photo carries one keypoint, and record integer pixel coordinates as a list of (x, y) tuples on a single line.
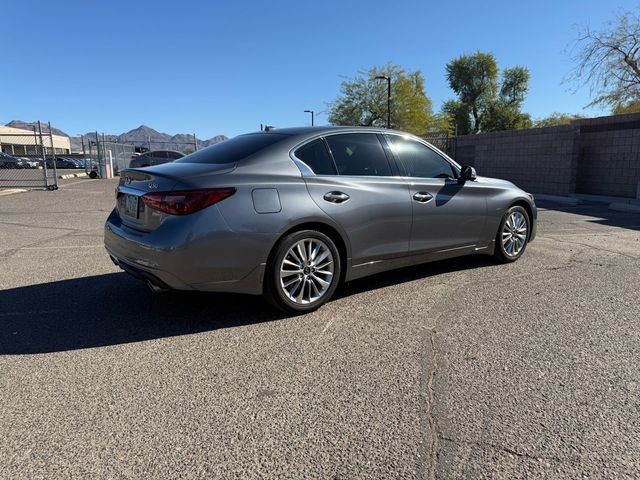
[(198, 252), (154, 282)]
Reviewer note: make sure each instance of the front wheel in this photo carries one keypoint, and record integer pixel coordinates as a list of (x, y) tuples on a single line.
[(303, 272), (513, 234)]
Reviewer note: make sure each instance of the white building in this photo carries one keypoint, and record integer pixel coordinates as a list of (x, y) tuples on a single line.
[(16, 141)]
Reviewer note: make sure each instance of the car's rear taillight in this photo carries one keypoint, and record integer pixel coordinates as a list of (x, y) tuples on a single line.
[(185, 202)]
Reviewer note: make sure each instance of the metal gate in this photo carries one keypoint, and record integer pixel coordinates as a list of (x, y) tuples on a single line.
[(28, 160), (105, 158)]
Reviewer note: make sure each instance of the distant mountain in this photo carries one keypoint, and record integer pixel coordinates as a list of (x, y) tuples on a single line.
[(143, 136), (30, 125)]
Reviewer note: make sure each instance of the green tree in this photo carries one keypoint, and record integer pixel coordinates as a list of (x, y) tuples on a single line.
[(608, 62), (501, 115), (515, 85), (504, 113), (631, 107), (457, 116), (484, 104), (474, 78), (556, 119), (363, 100)]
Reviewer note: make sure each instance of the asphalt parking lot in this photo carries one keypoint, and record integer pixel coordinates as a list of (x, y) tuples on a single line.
[(32, 177), (459, 369)]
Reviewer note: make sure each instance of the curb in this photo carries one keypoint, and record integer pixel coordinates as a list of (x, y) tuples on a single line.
[(624, 207), (557, 199), (73, 175), (606, 199)]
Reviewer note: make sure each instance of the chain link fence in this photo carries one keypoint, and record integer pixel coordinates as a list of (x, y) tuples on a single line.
[(104, 158), (186, 146), (36, 158), (30, 160)]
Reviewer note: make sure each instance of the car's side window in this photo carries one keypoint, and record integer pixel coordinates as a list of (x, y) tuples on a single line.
[(420, 160), (316, 157), (358, 154), (173, 155)]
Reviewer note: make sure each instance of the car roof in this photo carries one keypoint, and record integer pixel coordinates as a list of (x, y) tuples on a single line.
[(326, 130)]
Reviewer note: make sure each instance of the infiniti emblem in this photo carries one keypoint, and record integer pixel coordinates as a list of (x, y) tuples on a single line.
[(127, 180)]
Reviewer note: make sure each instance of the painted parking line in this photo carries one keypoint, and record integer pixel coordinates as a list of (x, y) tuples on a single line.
[(11, 191), (75, 183), (62, 247)]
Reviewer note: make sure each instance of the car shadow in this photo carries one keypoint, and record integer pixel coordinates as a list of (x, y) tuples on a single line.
[(114, 309), (415, 272), (600, 214)]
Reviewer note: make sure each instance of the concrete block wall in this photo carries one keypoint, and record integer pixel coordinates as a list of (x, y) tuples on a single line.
[(539, 160), (610, 156), (599, 156)]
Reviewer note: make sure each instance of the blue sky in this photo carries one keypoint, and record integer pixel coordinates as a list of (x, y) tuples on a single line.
[(225, 67)]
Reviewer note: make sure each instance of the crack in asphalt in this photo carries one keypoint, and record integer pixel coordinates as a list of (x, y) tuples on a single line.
[(45, 227), (494, 446), (11, 252), (433, 425), (432, 362), (447, 305), (593, 247)]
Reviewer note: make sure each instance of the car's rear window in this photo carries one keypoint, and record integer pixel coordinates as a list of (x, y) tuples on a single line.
[(233, 150)]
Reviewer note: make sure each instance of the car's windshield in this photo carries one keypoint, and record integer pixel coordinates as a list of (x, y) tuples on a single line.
[(235, 149)]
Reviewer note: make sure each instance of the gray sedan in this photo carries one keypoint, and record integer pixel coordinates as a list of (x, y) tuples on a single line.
[(291, 213)]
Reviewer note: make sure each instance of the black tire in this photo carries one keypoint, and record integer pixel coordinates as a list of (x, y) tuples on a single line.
[(501, 254), (274, 292)]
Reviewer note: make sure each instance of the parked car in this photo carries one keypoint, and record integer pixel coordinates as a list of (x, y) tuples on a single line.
[(62, 163), (30, 162), (79, 162), (10, 162), (291, 213), (155, 157)]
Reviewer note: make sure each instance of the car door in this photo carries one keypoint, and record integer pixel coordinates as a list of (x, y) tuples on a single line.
[(447, 214), (353, 183)]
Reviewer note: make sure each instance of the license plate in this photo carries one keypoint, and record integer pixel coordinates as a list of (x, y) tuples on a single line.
[(131, 205)]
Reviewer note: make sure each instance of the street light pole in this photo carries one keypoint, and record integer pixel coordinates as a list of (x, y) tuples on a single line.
[(312, 113), (388, 79)]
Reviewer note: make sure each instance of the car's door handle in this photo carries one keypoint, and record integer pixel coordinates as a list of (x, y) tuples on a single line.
[(336, 197), (422, 197)]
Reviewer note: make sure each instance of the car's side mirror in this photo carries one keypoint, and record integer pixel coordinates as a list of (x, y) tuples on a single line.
[(467, 173)]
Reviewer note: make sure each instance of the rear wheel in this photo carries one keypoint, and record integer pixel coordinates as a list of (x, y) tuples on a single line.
[(513, 235), (303, 272)]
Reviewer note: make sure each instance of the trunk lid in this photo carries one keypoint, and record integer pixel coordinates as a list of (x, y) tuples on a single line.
[(135, 182)]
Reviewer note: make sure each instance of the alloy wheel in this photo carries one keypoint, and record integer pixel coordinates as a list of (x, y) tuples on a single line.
[(514, 234), (306, 271)]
